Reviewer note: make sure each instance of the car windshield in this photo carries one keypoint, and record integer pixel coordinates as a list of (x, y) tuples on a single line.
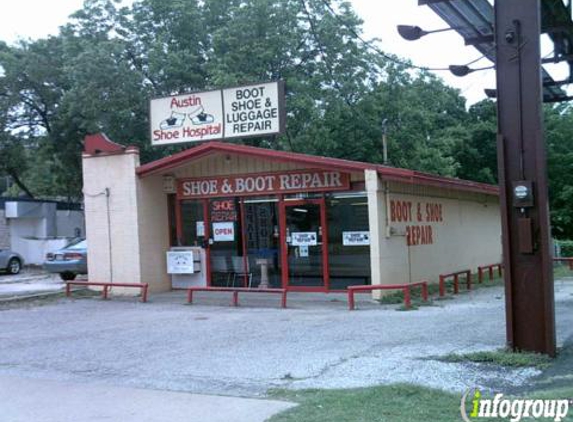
[(82, 244)]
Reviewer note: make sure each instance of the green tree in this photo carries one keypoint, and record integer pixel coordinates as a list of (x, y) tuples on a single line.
[(100, 71), (476, 151), (559, 137)]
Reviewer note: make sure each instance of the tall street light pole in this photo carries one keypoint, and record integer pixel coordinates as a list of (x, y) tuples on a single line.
[(530, 304)]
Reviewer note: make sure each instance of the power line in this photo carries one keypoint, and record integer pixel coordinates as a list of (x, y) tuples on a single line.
[(374, 48), (389, 57)]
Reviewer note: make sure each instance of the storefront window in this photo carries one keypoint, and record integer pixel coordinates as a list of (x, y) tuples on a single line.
[(172, 218), (193, 223), (348, 240), (304, 236), (262, 239)]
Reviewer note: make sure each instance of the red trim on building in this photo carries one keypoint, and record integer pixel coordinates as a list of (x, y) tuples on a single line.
[(387, 173), (100, 144), (208, 148)]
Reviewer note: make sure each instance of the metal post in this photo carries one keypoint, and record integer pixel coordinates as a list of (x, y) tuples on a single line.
[(384, 142), (350, 300), (407, 299), (425, 291), (530, 312)]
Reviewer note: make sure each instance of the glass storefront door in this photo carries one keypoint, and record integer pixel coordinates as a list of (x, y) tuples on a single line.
[(192, 224), (226, 248), (262, 240), (305, 238)]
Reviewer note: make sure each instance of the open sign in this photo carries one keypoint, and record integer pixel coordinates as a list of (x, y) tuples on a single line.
[(224, 232)]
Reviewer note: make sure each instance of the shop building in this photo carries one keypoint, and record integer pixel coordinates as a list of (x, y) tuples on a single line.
[(312, 223)]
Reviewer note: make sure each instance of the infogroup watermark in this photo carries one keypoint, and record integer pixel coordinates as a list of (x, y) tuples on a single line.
[(512, 409)]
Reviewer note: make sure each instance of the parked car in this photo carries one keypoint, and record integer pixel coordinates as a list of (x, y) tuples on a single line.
[(10, 261), (69, 261)]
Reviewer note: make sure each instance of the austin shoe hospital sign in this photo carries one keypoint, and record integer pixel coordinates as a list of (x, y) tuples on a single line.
[(240, 112)]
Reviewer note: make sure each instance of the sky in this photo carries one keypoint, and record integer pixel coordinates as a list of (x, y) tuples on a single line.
[(39, 18)]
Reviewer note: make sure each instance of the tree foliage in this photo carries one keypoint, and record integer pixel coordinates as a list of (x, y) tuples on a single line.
[(101, 69)]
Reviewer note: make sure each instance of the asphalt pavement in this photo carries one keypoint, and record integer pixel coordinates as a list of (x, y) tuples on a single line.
[(92, 346)]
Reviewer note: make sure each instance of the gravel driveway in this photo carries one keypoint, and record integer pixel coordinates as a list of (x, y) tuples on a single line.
[(247, 350), (29, 281)]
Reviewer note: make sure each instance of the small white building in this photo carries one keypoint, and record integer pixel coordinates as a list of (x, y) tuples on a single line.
[(35, 227), (320, 224)]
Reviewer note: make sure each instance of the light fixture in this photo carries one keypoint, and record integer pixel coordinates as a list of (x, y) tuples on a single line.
[(413, 33), (460, 70), (169, 183), (346, 195), (260, 201), (464, 70), (490, 92)]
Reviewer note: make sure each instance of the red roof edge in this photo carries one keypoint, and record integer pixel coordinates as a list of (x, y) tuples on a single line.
[(180, 158), (458, 184), (387, 173), (100, 144)]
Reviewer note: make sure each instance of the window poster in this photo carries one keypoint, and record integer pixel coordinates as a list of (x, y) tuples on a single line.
[(356, 238), (304, 239), (180, 262), (200, 228)]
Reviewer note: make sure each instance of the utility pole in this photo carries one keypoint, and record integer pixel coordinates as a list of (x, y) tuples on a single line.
[(384, 142), (530, 303)]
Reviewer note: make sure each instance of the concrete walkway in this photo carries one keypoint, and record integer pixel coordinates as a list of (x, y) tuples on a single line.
[(25, 400), (30, 281)]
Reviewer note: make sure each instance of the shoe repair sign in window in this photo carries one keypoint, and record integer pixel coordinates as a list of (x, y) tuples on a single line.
[(240, 112), (264, 183)]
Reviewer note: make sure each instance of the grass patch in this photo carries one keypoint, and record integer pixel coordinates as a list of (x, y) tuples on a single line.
[(561, 270), (397, 297), (392, 403), (502, 357)]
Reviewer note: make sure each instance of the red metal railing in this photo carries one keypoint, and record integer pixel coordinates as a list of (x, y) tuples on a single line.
[(404, 287), (106, 286), (236, 291), (568, 260), (456, 277), (489, 269)]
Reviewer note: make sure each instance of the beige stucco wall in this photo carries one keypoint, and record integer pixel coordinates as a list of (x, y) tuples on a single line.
[(138, 221), (388, 254), (153, 233), (469, 234), (117, 174)]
